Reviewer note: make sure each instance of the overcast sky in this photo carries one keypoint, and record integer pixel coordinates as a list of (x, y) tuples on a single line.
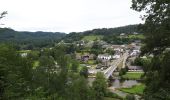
[(67, 15)]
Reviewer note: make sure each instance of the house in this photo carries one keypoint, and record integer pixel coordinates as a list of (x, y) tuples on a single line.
[(87, 57), (135, 53), (24, 54), (118, 50), (122, 34), (116, 56), (135, 68), (135, 33), (116, 46), (104, 57)]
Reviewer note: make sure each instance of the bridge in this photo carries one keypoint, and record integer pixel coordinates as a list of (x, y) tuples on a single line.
[(108, 72)]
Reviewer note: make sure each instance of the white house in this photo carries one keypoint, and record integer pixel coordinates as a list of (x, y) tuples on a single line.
[(134, 52), (24, 54), (104, 57), (118, 49), (116, 56)]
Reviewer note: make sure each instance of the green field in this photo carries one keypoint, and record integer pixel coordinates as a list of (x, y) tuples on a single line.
[(137, 89), (139, 36), (92, 37), (132, 75), (24, 51)]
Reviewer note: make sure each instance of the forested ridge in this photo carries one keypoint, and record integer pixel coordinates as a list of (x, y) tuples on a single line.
[(75, 36), (29, 40)]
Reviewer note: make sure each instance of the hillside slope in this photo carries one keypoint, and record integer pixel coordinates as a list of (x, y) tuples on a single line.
[(27, 39)]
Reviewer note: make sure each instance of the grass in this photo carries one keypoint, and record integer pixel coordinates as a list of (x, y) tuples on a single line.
[(92, 37), (36, 64), (132, 75), (24, 51), (112, 96), (137, 89), (138, 36), (91, 62)]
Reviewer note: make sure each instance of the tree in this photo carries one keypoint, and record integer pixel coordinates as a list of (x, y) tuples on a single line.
[(15, 74), (74, 66), (84, 71), (157, 42), (100, 86), (157, 26), (3, 14), (130, 97), (77, 88)]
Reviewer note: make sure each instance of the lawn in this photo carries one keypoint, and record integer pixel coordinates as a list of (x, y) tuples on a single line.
[(132, 75), (36, 64), (91, 62), (137, 89), (138, 36), (24, 51), (93, 37)]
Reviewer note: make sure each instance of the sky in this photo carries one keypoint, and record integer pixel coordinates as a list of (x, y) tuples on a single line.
[(67, 15)]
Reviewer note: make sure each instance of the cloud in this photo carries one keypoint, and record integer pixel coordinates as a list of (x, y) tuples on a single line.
[(67, 15)]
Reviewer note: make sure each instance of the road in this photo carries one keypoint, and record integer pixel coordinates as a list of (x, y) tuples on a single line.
[(108, 72)]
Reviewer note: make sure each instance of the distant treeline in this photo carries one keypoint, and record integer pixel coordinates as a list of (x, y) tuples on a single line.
[(34, 40), (75, 36), (29, 40)]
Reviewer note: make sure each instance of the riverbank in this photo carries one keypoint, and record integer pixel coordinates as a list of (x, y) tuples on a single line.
[(137, 89), (132, 76)]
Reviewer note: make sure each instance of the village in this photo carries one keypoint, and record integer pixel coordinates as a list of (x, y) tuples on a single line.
[(110, 54), (117, 62)]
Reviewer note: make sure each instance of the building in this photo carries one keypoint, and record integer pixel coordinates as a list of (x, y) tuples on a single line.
[(24, 54), (104, 57), (135, 68), (116, 56)]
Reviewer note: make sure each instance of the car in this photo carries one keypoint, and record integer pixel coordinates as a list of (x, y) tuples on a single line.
[(98, 67)]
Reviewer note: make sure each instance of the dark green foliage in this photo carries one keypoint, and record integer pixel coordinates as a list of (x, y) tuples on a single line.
[(71, 37), (130, 97), (15, 74), (123, 71), (110, 31), (110, 51), (100, 86), (29, 40), (77, 89), (157, 26), (157, 42), (115, 39), (158, 80), (84, 72), (113, 95), (96, 48), (75, 66), (51, 80)]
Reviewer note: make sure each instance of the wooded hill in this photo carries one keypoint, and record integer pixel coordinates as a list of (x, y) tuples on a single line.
[(75, 36), (28, 40)]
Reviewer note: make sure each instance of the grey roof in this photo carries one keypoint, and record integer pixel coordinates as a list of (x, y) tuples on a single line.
[(135, 67)]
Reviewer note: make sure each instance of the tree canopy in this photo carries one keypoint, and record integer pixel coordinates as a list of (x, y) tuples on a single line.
[(157, 43)]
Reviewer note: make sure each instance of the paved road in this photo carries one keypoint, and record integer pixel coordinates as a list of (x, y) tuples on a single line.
[(108, 72)]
